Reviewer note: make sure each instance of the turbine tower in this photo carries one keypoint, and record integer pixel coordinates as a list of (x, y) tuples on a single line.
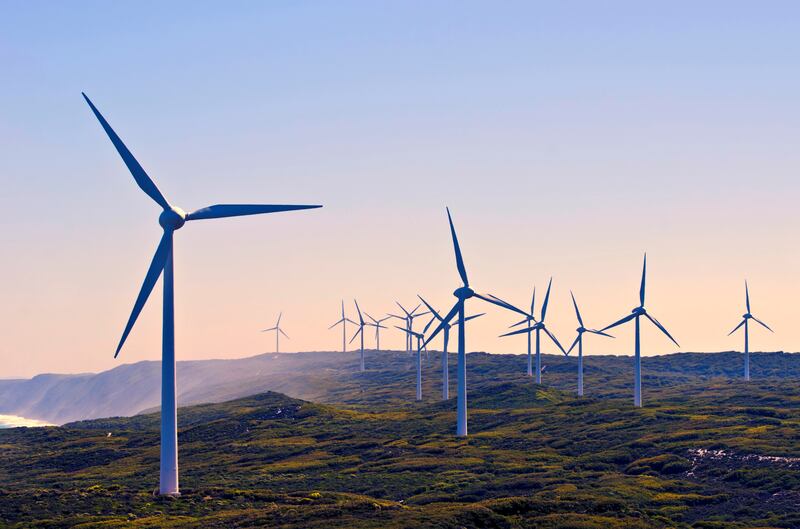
[(579, 342), (343, 322), (419, 337), (462, 294), (635, 314), (360, 332), (278, 332), (377, 324), (745, 317), (171, 219), (538, 327), (447, 326)]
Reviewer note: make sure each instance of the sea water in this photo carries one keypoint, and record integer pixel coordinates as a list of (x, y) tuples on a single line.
[(13, 421)]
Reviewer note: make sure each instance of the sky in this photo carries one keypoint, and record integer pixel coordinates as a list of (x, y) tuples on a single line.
[(567, 138)]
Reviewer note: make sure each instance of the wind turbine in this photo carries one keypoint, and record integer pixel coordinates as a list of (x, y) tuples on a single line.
[(409, 319), (343, 322), (529, 318), (635, 314), (171, 219), (360, 331), (462, 294), (419, 337), (278, 332), (377, 324), (537, 327), (745, 317), (447, 326), (579, 342)]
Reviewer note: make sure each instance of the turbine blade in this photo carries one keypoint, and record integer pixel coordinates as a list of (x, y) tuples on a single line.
[(571, 347), (499, 303), (509, 306), (360, 318), (763, 324), (601, 333), (360, 329), (627, 318), (520, 331), (657, 324), (335, 324), (427, 325), (526, 320), (555, 340), (450, 315), (747, 296), (459, 259), (737, 327), (474, 316), (370, 317), (414, 312), (644, 275), (546, 299), (402, 308), (430, 309), (577, 312), (283, 333), (350, 321), (279, 319), (156, 266), (142, 179), (218, 211), (533, 301), (273, 329)]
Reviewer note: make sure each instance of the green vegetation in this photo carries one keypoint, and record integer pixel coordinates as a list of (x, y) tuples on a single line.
[(705, 452)]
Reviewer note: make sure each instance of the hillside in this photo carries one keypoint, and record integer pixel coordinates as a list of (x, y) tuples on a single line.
[(333, 378), (701, 454)]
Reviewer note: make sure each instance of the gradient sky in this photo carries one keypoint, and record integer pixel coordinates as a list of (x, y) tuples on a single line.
[(567, 138)]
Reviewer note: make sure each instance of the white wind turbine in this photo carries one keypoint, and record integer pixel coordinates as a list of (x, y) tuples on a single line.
[(409, 319), (171, 219), (745, 321), (343, 322), (419, 337), (378, 324), (360, 332), (278, 332), (579, 342)]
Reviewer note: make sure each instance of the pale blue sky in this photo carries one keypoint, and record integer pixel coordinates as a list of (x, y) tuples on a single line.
[(568, 137)]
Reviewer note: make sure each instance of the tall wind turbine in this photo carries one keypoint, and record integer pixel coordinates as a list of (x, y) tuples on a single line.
[(579, 342), (462, 294), (171, 219), (745, 317), (447, 326), (419, 337), (378, 326), (635, 314), (409, 319), (360, 332), (343, 322), (278, 332), (537, 327)]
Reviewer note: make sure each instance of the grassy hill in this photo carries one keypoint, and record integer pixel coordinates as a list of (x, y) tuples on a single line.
[(706, 451)]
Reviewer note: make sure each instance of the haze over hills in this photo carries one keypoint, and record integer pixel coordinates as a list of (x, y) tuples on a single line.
[(333, 378)]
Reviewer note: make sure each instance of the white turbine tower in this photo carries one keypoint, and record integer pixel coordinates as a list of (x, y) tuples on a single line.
[(537, 327), (343, 322), (360, 332), (745, 321), (419, 337), (171, 219), (462, 293), (579, 342), (278, 332), (378, 326), (635, 314), (447, 326)]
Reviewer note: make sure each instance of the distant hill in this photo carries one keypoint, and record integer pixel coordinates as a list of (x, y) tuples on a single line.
[(333, 377)]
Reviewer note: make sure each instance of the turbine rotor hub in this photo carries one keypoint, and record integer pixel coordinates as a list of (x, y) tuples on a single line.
[(463, 293), (747, 316), (172, 219), (580, 330), (639, 311)]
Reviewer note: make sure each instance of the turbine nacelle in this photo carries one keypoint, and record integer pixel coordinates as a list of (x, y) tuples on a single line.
[(463, 293), (172, 219), (747, 316), (580, 330), (538, 325), (639, 311)]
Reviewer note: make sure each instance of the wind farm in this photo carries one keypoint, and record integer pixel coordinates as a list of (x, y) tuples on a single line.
[(468, 340)]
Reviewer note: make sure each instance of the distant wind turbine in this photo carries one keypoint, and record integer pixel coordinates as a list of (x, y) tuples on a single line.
[(637, 313), (360, 332), (419, 337), (538, 327), (462, 293), (409, 319), (447, 326), (378, 326), (579, 342), (278, 332), (343, 322), (529, 318), (745, 317), (171, 219)]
